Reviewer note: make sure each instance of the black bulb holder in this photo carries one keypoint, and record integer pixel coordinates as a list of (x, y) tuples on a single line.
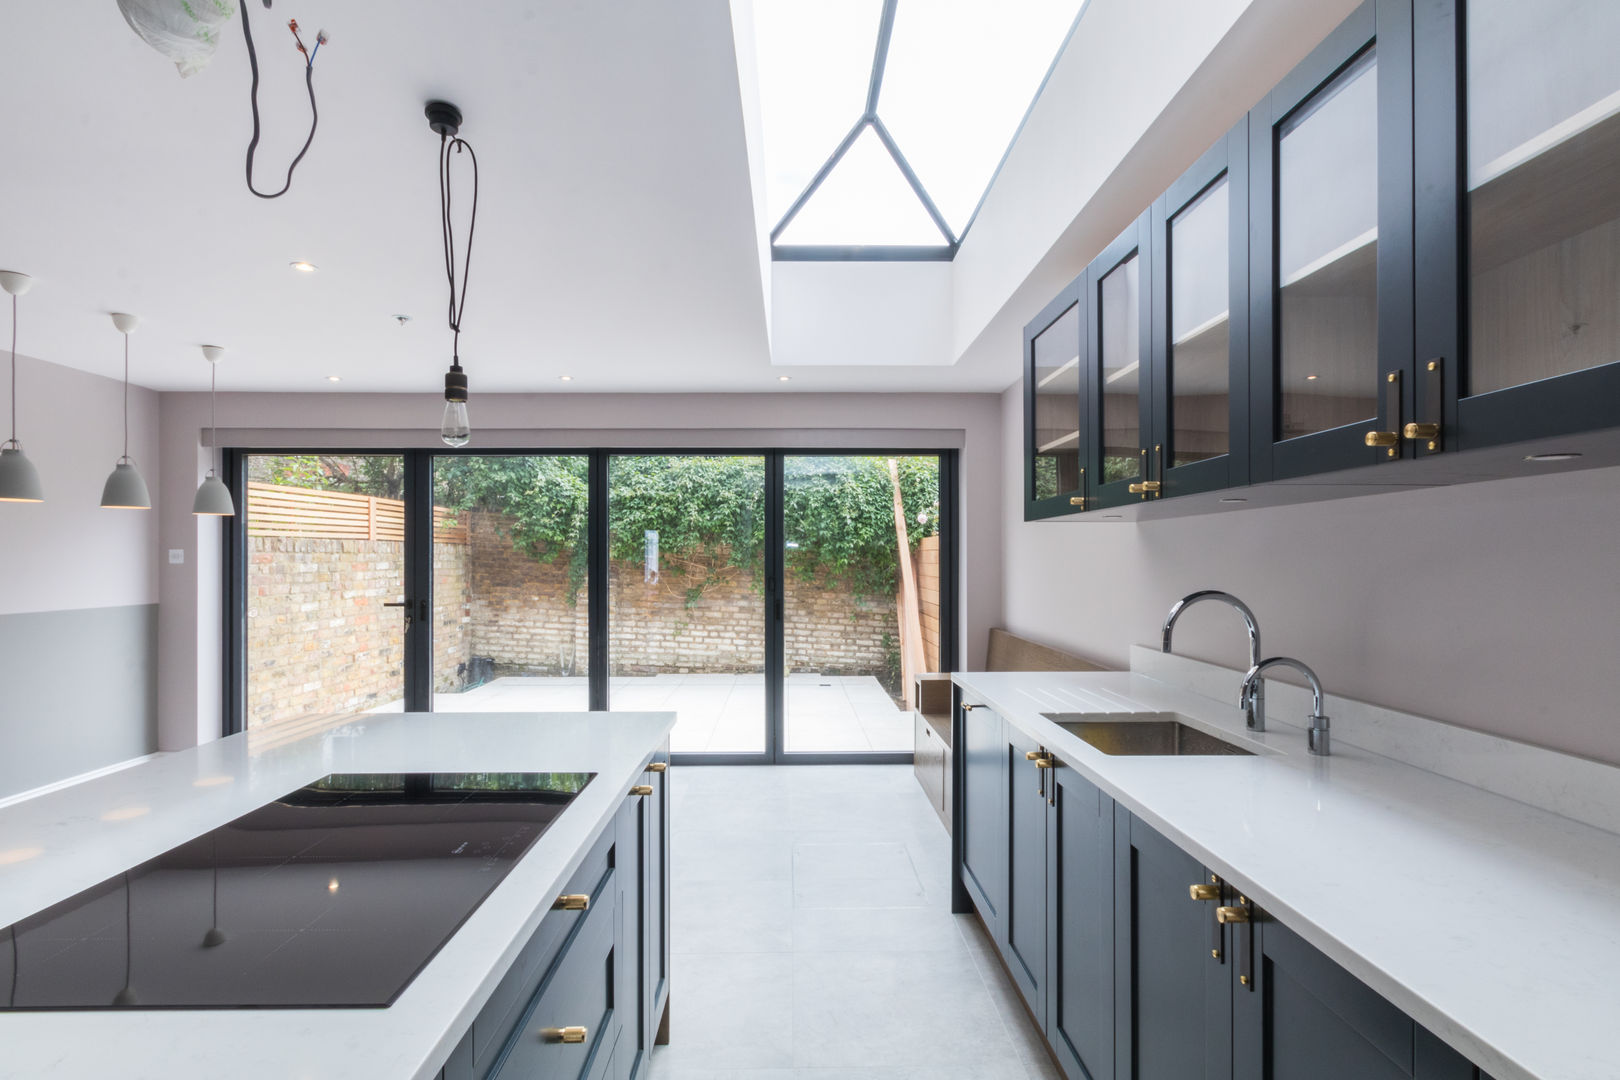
[(444, 118), (455, 383)]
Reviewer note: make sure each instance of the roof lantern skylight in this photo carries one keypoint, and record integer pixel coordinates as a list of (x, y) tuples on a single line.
[(885, 121)]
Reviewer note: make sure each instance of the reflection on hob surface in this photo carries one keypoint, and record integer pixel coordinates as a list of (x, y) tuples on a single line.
[(335, 895)]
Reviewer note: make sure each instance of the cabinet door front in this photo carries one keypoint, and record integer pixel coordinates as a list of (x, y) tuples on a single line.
[(1201, 322), (1080, 927), (1173, 998), (1024, 929), (1054, 408), (1538, 247), (1331, 157), (1305, 1018), (984, 814), (1119, 339)]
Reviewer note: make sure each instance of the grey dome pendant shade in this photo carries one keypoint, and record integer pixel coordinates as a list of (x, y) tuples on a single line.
[(19, 480), (213, 497), (125, 489)]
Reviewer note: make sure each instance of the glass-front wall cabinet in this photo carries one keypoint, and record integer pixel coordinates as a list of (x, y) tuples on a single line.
[(1327, 256), (1055, 408), (1119, 373), (1201, 321), (1540, 156)]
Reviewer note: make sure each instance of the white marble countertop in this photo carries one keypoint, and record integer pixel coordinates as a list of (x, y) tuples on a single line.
[(64, 841), (1493, 923)]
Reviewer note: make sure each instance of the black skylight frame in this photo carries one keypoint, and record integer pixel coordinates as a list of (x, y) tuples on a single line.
[(869, 119)]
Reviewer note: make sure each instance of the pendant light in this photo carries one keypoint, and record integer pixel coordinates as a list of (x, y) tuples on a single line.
[(445, 120), (213, 497), (125, 488), (19, 480)]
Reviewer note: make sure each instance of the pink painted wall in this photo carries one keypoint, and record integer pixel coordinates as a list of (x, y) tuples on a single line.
[(1494, 605)]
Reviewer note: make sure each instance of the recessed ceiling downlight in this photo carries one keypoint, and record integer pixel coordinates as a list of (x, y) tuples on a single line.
[(565, 378), (1560, 455), (784, 378), (334, 378), (304, 267)]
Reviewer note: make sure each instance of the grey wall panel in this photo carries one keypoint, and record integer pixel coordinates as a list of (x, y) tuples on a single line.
[(78, 690)]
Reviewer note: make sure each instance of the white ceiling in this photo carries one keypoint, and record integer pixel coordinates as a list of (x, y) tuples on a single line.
[(616, 237)]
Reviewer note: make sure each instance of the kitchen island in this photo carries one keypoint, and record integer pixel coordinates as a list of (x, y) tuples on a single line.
[(490, 974)]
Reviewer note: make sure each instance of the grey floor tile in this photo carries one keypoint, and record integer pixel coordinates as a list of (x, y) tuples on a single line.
[(697, 854), (731, 917), (730, 1011), (866, 930)]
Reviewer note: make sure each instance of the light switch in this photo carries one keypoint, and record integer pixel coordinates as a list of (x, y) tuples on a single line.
[(177, 556)]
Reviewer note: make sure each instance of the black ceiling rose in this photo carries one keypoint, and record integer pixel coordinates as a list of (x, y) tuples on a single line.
[(443, 117)]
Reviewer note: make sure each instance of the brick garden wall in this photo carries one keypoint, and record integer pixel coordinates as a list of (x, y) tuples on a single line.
[(320, 641)]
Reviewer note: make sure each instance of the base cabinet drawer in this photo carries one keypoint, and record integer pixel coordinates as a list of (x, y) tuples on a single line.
[(570, 1029)]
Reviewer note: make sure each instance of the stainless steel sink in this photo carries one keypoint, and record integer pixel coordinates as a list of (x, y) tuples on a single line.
[(1144, 734)]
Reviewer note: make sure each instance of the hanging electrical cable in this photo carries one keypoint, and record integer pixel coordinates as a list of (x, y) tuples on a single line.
[(445, 120), (253, 98)]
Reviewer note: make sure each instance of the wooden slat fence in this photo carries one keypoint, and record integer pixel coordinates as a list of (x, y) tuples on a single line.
[(928, 598), (274, 510)]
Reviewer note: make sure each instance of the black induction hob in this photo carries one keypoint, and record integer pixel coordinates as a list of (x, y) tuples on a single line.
[(334, 896)]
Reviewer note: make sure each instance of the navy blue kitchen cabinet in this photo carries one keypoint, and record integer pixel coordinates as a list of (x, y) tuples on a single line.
[(640, 854), (1170, 961), (588, 996), (981, 838), (1299, 1016), (1023, 930), (1418, 258), (1139, 963), (1080, 925)]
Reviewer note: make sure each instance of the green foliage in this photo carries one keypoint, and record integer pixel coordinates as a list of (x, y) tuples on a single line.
[(709, 512), (382, 475)]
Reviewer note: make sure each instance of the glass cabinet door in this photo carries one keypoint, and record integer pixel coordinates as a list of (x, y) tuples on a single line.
[(1539, 210), (1331, 160), (1054, 407), (1201, 351), (1119, 369)]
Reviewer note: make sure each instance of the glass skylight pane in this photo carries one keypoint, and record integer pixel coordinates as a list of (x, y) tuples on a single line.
[(864, 200), (960, 76), (815, 64)]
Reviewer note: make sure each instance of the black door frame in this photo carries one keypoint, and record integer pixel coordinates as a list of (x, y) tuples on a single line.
[(418, 490)]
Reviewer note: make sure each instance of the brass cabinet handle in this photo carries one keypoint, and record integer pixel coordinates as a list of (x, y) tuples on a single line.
[(571, 902), (1046, 761), (658, 766), (1382, 438), (1032, 755), (1421, 431), (969, 708), (1146, 487), (642, 789), (1235, 914), (1077, 500), (1204, 892), (563, 1035)]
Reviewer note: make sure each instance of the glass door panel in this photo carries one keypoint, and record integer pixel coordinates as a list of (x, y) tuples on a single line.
[(1327, 256), (861, 609), (511, 627), (1543, 174), (686, 596), (1119, 330), (1200, 328), (1055, 370), (325, 587)]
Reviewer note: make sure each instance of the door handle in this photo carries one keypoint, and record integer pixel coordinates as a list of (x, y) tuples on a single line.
[(406, 604)]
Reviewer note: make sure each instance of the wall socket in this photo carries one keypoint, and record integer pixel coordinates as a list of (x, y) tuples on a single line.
[(177, 556)]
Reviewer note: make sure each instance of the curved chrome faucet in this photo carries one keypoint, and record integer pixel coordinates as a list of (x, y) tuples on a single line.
[(1253, 700), (1316, 731)]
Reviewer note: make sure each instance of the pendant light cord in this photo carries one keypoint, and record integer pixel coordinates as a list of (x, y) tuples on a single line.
[(253, 100), (213, 413), (458, 298), (126, 396), (14, 368)]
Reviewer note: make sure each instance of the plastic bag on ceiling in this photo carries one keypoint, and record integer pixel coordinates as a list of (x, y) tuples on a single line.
[(185, 31)]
